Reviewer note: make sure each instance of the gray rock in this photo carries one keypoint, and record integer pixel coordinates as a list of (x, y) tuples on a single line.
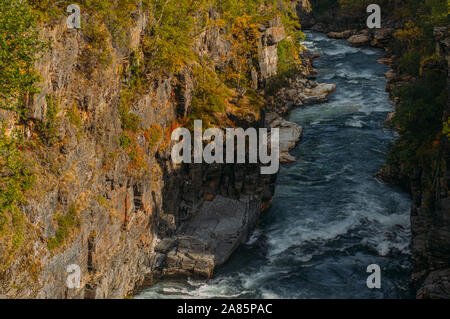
[(359, 40), (208, 239), (317, 94), (290, 134)]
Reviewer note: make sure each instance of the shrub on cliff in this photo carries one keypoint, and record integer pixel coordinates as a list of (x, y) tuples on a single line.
[(15, 179), (168, 40), (19, 45)]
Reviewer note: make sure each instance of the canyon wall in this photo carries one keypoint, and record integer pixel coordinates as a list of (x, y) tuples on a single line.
[(126, 216)]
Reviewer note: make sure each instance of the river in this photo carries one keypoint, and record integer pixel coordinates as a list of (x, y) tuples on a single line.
[(330, 217)]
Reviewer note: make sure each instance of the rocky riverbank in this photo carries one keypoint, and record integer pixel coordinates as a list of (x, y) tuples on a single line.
[(208, 238)]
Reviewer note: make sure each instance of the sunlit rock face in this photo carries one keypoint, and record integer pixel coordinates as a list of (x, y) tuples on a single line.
[(135, 223)]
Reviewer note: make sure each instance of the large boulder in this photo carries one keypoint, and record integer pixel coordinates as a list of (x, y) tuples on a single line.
[(290, 134), (359, 40), (210, 236), (317, 94)]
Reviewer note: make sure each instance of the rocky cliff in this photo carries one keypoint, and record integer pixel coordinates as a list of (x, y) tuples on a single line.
[(107, 196)]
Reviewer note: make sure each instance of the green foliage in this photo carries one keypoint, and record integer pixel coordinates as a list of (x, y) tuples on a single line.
[(15, 176), (116, 15), (419, 114), (210, 94), (130, 145), (168, 41), (19, 46), (125, 141), (15, 179), (288, 65), (130, 121), (102, 201), (319, 7), (410, 63), (355, 5), (419, 122), (244, 33), (97, 51), (288, 56), (446, 128), (234, 8), (66, 224)]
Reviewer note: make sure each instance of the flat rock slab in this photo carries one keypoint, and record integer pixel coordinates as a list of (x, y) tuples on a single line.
[(221, 224), (359, 40), (209, 238)]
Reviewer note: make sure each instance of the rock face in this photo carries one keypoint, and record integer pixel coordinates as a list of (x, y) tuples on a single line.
[(172, 220), (430, 226), (290, 134), (272, 33)]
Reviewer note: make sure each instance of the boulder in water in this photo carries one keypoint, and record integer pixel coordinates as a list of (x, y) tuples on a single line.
[(317, 94), (290, 134), (359, 40)]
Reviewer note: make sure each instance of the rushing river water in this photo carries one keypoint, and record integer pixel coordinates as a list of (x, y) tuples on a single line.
[(330, 217)]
